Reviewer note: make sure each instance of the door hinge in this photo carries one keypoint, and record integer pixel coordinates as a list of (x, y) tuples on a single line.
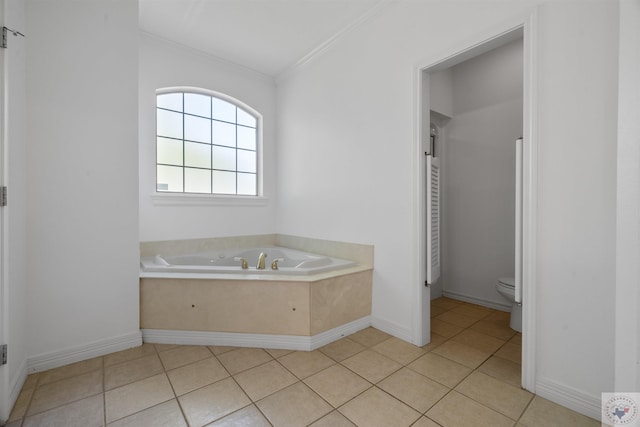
[(3, 354), (5, 30), (427, 284), (3, 196)]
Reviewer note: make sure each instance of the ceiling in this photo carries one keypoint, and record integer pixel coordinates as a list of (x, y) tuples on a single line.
[(268, 36)]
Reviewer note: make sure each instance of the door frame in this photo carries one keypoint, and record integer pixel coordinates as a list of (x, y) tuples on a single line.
[(527, 28)]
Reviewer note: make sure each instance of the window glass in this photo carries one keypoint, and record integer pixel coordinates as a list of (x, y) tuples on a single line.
[(169, 178), (197, 129), (205, 144), (246, 138), (197, 180), (170, 101), (198, 105), (223, 110), (224, 133), (169, 124), (197, 155), (169, 151), (224, 182)]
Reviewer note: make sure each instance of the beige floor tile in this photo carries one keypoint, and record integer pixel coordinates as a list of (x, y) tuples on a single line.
[(503, 370), (342, 349), (425, 422), (183, 355), (444, 371), (275, 353), (414, 389), (399, 350), (199, 374), (495, 328), (164, 347), (65, 391), (445, 303), (296, 405), (544, 413), (87, 412), (375, 408), (69, 371), (516, 339), (166, 414), (31, 381), (478, 341), (501, 317), (512, 352), (212, 402), (241, 359), (462, 353), (437, 311), (436, 340), (20, 407), (131, 398), (457, 319), (371, 366), (473, 310), (337, 384), (445, 329), (495, 394), (132, 371), (264, 380), (456, 410), (248, 416), (306, 363), (333, 419), (219, 349), (129, 354), (369, 337)]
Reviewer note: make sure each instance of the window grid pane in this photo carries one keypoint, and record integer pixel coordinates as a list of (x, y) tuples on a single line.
[(205, 145)]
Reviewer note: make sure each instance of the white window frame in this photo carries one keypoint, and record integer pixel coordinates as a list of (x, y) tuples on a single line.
[(195, 199)]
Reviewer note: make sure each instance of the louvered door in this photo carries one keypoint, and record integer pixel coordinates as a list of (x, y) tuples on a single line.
[(433, 219)]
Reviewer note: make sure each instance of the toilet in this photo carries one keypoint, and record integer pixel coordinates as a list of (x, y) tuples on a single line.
[(506, 288)]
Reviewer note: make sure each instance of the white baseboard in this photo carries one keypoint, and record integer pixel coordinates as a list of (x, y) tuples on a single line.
[(18, 382), (391, 328), (15, 387), (69, 355), (478, 301), (285, 342), (569, 397)]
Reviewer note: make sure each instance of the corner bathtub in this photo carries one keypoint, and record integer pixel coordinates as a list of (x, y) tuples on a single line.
[(210, 296), (290, 262)]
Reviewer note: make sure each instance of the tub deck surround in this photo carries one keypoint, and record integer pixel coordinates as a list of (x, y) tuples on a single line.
[(291, 307), (266, 303), (359, 253), (244, 262)]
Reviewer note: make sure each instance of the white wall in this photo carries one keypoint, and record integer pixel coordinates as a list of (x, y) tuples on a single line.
[(346, 138), (576, 190), (478, 241), (164, 64), (628, 203), (440, 92), (14, 280), (82, 155)]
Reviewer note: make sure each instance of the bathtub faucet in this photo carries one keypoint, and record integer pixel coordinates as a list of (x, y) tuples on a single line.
[(261, 259)]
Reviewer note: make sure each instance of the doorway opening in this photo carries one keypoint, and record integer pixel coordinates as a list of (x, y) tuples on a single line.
[(471, 131)]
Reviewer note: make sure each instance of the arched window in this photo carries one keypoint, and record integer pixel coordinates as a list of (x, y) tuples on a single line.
[(206, 142)]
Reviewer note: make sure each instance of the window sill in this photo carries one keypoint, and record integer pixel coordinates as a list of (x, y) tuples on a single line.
[(181, 199)]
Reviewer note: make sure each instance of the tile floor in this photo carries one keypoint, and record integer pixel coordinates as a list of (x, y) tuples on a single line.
[(469, 375)]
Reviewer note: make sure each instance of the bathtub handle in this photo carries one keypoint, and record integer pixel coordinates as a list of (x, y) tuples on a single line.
[(245, 264), (274, 264)]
